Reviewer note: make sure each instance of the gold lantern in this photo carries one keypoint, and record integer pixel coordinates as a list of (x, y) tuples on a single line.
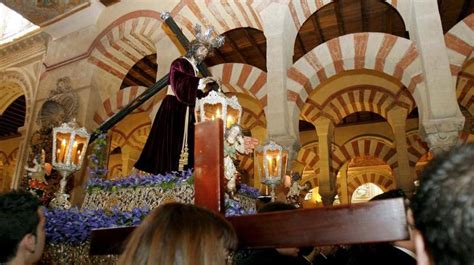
[(217, 106), (69, 147), (272, 160)]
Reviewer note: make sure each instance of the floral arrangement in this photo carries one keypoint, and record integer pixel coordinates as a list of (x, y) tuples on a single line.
[(98, 158), (166, 181), (74, 226), (248, 191), (234, 208)]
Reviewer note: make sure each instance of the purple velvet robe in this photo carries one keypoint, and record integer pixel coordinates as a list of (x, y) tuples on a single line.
[(163, 146)]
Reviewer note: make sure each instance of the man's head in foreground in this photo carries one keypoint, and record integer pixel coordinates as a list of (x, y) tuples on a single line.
[(22, 233), (443, 209)]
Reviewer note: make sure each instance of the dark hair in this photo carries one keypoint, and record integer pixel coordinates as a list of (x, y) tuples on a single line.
[(276, 206), (443, 207), (18, 217), (181, 234), (391, 194)]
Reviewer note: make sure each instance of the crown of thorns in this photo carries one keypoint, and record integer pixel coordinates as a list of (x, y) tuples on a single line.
[(206, 37)]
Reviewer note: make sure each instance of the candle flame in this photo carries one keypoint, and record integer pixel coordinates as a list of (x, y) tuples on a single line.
[(218, 113), (63, 142)]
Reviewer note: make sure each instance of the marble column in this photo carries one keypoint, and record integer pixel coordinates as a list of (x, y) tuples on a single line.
[(440, 116), (278, 28), (327, 180), (404, 174), (343, 198)]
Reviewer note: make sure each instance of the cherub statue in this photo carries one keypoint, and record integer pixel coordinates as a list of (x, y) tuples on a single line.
[(293, 196), (235, 143), (40, 169)]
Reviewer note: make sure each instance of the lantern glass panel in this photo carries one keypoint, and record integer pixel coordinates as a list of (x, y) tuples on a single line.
[(78, 149), (232, 116), (273, 161), (213, 111), (62, 144)]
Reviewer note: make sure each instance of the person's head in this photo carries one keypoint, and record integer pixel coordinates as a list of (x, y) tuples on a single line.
[(280, 206), (443, 208), (198, 50), (391, 194), (399, 193), (181, 234), (22, 233)]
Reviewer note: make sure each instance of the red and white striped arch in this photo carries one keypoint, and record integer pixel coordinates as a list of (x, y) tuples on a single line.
[(354, 99), (135, 138), (116, 102), (222, 15), (243, 78), (308, 156), (125, 41), (416, 147), (381, 52), (385, 182), (117, 139), (138, 136), (465, 92), (373, 146), (251, 119), (460, 43)]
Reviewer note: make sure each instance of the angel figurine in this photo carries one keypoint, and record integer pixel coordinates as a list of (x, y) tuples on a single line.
[(39, 170), (235, 143), (293, 196)]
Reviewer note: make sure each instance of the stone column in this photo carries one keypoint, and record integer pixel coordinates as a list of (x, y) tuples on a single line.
[(129, 156), (327, 180), (441, 118), (404, 175), (278, 29), (344, 198)]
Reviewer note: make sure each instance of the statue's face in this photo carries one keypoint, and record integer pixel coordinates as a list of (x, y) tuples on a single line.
[(201, 53), (234, 131)]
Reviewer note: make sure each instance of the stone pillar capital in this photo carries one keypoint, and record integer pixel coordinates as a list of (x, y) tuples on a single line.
[(324, 127), (397, 116), (442, 134)]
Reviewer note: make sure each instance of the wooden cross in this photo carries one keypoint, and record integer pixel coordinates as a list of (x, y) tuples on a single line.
[(151, 91), (380, 221)]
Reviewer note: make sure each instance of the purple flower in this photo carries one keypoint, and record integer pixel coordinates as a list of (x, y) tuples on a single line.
[(248, 191), (73, 226), (234, 208), (166, 181)]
